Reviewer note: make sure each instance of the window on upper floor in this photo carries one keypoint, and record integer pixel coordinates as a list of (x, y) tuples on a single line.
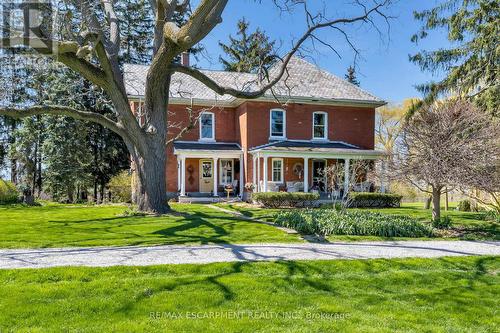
[(277, 123), (320, 125), (207, 126), (277, 164)]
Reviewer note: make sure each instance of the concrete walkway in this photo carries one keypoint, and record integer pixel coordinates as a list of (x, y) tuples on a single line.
[(183, 254)]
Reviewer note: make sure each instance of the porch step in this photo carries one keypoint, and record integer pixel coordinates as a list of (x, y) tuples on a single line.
[(207, 200)]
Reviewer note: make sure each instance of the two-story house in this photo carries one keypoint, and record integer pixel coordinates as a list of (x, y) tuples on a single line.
[(280, 141)]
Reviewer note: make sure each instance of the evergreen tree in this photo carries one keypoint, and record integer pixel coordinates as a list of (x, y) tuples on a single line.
[(470, 64), (351, 76), (136, 24), (16, 68), (250, 53)]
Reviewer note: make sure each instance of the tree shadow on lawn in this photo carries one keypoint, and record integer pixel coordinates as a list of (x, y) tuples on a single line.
[(296, 277), (285, 279), (192, 222)]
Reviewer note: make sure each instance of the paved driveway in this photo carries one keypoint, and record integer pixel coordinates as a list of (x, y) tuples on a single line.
[(182, 254)]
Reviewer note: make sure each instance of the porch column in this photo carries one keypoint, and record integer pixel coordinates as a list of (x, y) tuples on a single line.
[(216, 176), (264, 189), (183, 176), (383, 181), (178, 174), (306, 174), (242, 174), (259, 188), (254, 173), (347, 175)]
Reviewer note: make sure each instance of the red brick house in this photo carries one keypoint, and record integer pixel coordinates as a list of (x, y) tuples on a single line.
[(310, 119)]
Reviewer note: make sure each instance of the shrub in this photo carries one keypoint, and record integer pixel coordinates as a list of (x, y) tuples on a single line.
[(333, 222), (120, 187), (464, 206), (374, 200), (8, 192), (285, 199), (407, 191), (492, 215), (443, 223)]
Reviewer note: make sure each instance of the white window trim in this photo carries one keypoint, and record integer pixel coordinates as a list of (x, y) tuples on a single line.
[(212, 139), (282, 180), (271, 136), (220, 170), (325, 137)]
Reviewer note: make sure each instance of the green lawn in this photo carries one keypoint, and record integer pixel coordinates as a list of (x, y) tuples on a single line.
[(77, 225), (410, 295), (470, 225)]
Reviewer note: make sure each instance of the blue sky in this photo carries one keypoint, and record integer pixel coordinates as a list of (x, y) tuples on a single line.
[(384, 69)]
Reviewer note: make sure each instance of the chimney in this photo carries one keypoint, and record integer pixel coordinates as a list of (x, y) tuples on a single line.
[(185, 59)]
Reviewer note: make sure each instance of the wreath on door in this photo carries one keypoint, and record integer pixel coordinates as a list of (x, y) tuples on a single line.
[(298, 169)]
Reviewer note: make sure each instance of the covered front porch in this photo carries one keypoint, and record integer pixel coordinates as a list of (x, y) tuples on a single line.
[(208, 172), (300, 167)]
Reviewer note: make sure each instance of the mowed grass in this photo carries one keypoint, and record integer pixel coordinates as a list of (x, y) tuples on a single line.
[(459, 294), (77, 225), (472, 225)]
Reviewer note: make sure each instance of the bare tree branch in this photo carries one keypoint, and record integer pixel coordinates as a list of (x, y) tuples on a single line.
[(57, 110), (66, 53), (221, 90)]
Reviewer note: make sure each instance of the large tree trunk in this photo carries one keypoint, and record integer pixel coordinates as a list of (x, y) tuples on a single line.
[(150, 159), (151, 188), (436, 203)]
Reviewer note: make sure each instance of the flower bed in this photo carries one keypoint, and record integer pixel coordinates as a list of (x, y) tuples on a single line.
[(332, 222)]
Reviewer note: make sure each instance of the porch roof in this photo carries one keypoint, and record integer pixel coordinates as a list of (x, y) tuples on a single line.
[(206, 149), (326, 149)]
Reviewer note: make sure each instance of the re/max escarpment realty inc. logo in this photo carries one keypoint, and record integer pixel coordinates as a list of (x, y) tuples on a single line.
[(28, 24)]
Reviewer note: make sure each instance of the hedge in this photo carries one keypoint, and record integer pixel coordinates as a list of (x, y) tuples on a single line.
[(285, 199), (8, 193), (374, 200), (362, 223)]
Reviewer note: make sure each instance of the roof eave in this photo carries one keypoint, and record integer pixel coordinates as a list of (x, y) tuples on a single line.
[(235, 102)]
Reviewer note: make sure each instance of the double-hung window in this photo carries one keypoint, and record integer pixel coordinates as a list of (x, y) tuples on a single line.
[(207, 126), (320, 125), (277, 174), (278, 123), (226, 172)]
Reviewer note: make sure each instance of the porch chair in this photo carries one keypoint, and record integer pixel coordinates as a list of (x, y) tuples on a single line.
[(290, 187), (236, 189), (271, 187), (298, 187)]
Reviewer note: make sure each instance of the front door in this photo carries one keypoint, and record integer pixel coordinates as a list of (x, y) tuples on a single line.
[(206, 176), (318, 174)]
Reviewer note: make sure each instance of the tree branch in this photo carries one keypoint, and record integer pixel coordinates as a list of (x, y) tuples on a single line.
[(57, 110), (64, 52), (221, 90)]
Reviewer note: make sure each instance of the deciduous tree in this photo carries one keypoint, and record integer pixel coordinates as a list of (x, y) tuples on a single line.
[(448, 145), (94, 53)]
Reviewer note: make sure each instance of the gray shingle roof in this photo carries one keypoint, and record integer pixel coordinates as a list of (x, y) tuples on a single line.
[(206, 146), (305, 145), (304, 81)]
